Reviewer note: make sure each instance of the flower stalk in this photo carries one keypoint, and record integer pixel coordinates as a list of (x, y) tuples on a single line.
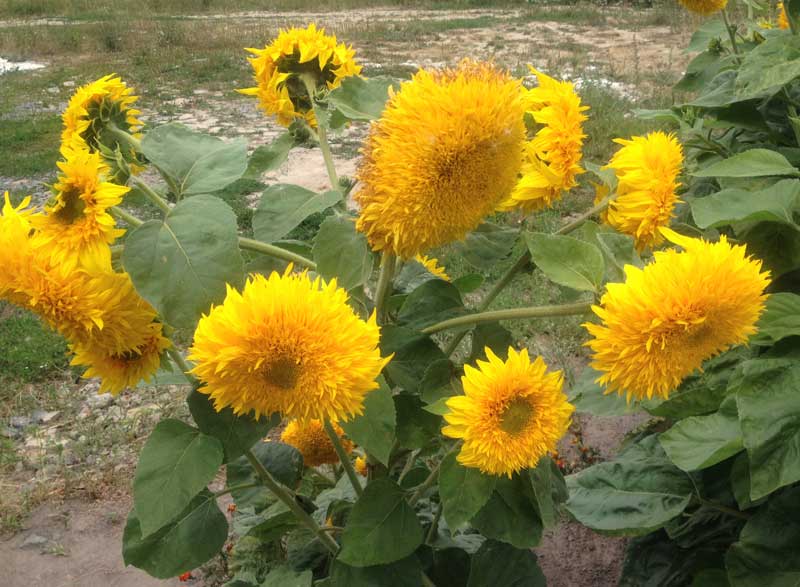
[(384, 286), (321, 133), (250, 244), (345, 460), (127, 217), (151, 195), (510, 314)]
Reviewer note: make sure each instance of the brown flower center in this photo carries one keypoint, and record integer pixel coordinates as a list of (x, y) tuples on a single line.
[(282, 372), (515, 416)]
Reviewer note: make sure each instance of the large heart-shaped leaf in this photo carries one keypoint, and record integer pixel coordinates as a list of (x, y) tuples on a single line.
[(283, 206), (374, 429), (463, 491), (567, 261)]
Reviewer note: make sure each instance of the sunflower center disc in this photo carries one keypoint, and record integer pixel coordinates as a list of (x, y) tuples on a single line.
[(515, 416), (283, 373), (71, 206)]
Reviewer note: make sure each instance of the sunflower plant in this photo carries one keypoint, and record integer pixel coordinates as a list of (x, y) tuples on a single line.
[(372, 427)]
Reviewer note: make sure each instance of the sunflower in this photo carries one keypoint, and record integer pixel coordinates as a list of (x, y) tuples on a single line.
[(76, 221), (91, 111), (704, 7), (280, 66), (120, 370), (512, 413), (432, 266), (444, 154), (552, 157), (361, 466), (15, 248), (647, 169), (666, 319), (783, 21), (287, 344), (313, 442)]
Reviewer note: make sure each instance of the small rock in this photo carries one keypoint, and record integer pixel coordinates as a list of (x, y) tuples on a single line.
[(53, 90), (200, 92), (9, 432), (43, 417), (69, 84), (19, 421), (33, 541), (102, 400)]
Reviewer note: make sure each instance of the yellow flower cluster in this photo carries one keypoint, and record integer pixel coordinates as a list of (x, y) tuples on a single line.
[(313, 442), (666, 319), (280, 68), (704, 7)]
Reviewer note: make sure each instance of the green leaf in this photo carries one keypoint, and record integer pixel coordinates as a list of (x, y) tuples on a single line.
[(781, 319), (414, 353), (769, 412), (710, 29), (382, 527), (288, 577), (492, 335), (266, 526), (406, 572), (463, 491), (702, 441), (182, 265), (718, 92), (450, 566), (636, 493), (775, 204), (497, 563), (269, 157), (284, 462), (193, 537), (767, 552), (431, 302), (374, 429), (510, 514), (589, 397), (439, 407), (468, 283), (236, 433), (487, 244), (567, 261), (770, 65), (618, 251), (415, 426), (750, 163), (740, 482), (176, 463), (240, 472), (197, 162), (549, 490), (342, 252), (284, 206), (361, 99), (777, 245), (438, 381)]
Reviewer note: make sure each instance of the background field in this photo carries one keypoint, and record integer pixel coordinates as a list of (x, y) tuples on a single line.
[(67, 455)]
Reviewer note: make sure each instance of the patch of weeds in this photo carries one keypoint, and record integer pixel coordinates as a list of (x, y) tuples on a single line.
[(236, 197), (29, 147), (8, 454), (309, 227), (29, 351)]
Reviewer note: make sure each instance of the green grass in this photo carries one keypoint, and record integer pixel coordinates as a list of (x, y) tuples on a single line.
[(29, 350), (29, 146)]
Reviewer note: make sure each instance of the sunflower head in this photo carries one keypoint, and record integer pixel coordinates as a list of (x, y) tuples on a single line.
[(704, 7), (279, 69), (288, 344), (552, 157), (120, 370), (15, 248), (512, 413), (444, 154), (665, 320), (647, 169), (313, 442)]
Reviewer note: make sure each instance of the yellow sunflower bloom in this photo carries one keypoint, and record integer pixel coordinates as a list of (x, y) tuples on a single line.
[(665, 320), (288, 344), (361, 466), (120, 370), (647, 169), (93, 108), (704, 7), (433, 267), (15, 248), (77, 222), (552, 157), (446, 151), (279, 67), (313, 442), (783, 21), (512, 413)]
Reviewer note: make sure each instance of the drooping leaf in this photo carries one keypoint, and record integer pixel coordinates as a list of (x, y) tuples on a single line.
[(463, 491), (487, 244), (374, 430), (781, 319), (413, 352), (492, 335), (549, 490), (193, 537), (775, 204), (284, 206), (406, 572), (182, 265), (431, 302), (382, 527), (510, 514), (342, 252), (197, 162), (497, 563), (750, 163), (285, 576), (358, 98), (176, 463), (284, 462), (567, 261), (269, 157)]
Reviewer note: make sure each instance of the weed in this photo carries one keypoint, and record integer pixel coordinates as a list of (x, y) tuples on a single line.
[(29, 351)]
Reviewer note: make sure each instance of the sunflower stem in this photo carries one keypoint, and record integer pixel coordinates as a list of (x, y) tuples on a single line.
[(250, 244), (731, 33), (124, 137), (116, 251), (384, 287), (724, 509), (510, 314), (322, 134), (288, 499), (433, 530), (151, 195), (236, 488), (182, 364), (344, 458), (127, 217)]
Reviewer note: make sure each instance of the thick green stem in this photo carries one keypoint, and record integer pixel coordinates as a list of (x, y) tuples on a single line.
[(322, 134), (273, 251), (511, 314), (384, 287), (182, 364), (124, 137), (282, 494), (434, 529), (434, 474), (344, 458), (724, 509), (236, 488), (731, 33), (151, 195), (123, 215)]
